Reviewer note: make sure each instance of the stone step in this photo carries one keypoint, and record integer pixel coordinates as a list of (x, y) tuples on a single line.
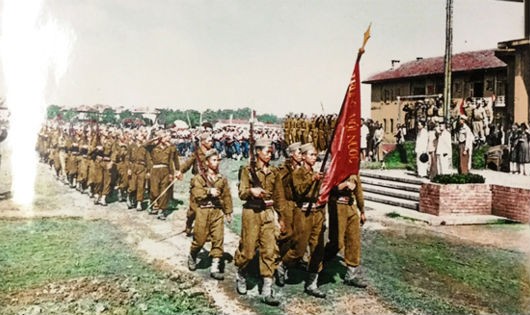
[(381, 175), (392, 192), (390, 184), (393, 201)]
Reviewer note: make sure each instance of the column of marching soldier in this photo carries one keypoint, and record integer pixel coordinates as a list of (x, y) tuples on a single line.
[(281, 219)]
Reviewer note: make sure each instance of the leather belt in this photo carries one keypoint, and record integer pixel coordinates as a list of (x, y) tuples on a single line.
[(305, 205), (159, 165), (343, 200)]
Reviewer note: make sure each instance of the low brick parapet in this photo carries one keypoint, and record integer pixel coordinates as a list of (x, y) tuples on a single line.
[(510, 202), (440, 199)]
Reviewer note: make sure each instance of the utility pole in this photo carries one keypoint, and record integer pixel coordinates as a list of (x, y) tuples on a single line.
[(447, 60)]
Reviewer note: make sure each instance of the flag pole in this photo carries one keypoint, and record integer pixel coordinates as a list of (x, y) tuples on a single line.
[(359, 54), (314, 191)]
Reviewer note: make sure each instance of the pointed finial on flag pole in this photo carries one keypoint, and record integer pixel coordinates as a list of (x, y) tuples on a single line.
[(366, 37)]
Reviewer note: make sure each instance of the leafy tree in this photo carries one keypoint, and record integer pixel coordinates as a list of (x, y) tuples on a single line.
[(268, 118), (108, 116), (69, 115), (53, 111), (125, 114)]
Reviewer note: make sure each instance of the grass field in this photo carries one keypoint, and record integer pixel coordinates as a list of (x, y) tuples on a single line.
[(66, 265)]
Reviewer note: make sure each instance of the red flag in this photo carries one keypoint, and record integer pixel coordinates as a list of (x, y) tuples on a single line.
[(345, 145), (461, 107)]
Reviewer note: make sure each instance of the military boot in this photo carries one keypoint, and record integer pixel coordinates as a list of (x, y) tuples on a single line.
[(311, 286), (241, 282), (281, 273), (96, 199), (215, 271), (139, 206), (353, 278), (130, 201), (192, 262), (103, 200), (189, 226), (124, 195), (266, 293), (120, 194)]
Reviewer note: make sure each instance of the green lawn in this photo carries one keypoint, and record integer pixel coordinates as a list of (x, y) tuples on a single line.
[(69, 253), (419, 271)]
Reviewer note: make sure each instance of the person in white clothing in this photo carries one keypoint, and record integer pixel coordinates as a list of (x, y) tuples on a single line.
[(444, 152), (422, 139), (364, 139)]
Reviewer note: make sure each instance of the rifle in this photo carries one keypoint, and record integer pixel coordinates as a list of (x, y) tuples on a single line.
[(200, 166), (253, 203), (252, 156)]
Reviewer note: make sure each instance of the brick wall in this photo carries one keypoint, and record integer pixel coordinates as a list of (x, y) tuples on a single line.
[(445, 199), (512, 203)]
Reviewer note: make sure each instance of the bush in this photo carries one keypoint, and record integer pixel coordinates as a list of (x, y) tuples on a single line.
[(459, 179), (402, 157), (477, 160)]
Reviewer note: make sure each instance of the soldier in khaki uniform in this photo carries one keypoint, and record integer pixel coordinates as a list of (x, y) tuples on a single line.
[(346, 216), (211, 193), (122, 167), (72, 161), (308, 218), (96, 171), (82, 168), (138, 159), (284, 196), (293, 130), (162, 166), (60, 157), (206, 143), (109, 155), (94, 155), (258, 226)]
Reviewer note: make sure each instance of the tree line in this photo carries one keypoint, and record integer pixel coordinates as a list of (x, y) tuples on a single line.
[(165, 117)]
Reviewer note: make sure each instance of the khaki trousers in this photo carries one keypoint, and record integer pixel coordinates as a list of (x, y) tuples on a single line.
[(208, 222), (344, 232), (308, 230), (258, 231)]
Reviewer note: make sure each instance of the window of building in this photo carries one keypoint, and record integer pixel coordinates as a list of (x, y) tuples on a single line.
[(457, 88), (430, 89), (501, 88), (386, 96), (489, 85), (418, 90), (439, 88), (384, 125), (392, 125)]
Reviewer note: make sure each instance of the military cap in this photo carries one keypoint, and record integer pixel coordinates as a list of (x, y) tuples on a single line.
[(294, 146), (210, 153), (263, 142), (205, 135), (306, 147)]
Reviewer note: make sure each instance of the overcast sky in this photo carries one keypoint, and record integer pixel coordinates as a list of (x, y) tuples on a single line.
[(275, 56)]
